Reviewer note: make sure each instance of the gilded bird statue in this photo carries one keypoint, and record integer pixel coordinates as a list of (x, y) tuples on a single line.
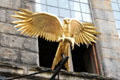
[(48, 26)]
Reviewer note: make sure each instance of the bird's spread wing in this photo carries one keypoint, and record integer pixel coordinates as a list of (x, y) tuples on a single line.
[(84, 33), (38, 24)]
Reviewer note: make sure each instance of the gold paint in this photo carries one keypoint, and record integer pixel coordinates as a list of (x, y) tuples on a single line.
[(48, 26)]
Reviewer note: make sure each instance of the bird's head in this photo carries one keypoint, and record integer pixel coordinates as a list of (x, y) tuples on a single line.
[(66, 20)]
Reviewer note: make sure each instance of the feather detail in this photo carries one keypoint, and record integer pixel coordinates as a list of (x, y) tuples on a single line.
[(87, 24), (22, 22), (38, 24), (26, 11), (87, 39), (83, 33), (19, 17), (20, 25), (91, 27), (23, 14), (81, 39), (21, 29), (92, 36), (84, 40), (48, 27), (91, 31)]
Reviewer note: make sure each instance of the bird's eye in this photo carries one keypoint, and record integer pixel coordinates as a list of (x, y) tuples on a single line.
[(69, 20), (65, 21)]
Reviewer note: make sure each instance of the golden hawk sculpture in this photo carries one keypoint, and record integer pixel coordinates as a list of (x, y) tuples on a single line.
[(48, 26)]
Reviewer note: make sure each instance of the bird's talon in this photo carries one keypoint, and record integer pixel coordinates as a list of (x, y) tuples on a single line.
[(60, 39)]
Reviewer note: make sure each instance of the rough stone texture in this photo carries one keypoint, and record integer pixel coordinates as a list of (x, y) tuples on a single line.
[(11, 41), (10, 19), (103, 14), (8, 28), (17, 56), (108, 46), (8, 54), (14, 47), (23, 50), (106, 27), (6, 3), (14, 4), (3, 15), (14, 41), (20, 73), (31, 44), (29, 57), (28, 5), (101, 4)]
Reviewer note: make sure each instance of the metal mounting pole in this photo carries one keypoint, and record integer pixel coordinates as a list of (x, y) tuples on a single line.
[(59, 67)]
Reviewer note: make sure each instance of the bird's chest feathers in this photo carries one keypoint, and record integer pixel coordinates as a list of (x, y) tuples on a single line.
[(66, 28)]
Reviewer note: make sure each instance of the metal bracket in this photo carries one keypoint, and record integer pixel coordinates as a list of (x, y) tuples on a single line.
[(59, 66)]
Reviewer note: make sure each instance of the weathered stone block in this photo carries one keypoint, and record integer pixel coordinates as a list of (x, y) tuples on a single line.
[(28, 57), (8, 28), (110, 44), (103, 14), (28, 5), (105, 37), (110, 67), (2, 15), (16, 4), (109, 41), (101, 4), (41, 1), (109, 15), (110, 53), (8, 16), (7, 54), (99, 14), (32, 0), (30, 44), (118, 70), (14, 41), (106, 27), (6, 3), (11, 41), (18, 56)]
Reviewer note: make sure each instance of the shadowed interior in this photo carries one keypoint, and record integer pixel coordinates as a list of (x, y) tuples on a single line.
[(82, 56)]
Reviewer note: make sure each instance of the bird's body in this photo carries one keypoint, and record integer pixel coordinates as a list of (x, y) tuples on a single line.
[(64, 45), (63, 48), (49, 27)]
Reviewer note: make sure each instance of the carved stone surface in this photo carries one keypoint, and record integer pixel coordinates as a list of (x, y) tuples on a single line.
[(108, 46), (20, 73), (14, 47)]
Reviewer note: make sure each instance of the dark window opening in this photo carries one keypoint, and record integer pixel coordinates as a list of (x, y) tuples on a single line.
[(83, 58), (47, 52)]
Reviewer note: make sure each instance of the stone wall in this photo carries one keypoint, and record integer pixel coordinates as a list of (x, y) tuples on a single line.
[(22, 50), (108, 45), (16, 48), (12, 72)]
